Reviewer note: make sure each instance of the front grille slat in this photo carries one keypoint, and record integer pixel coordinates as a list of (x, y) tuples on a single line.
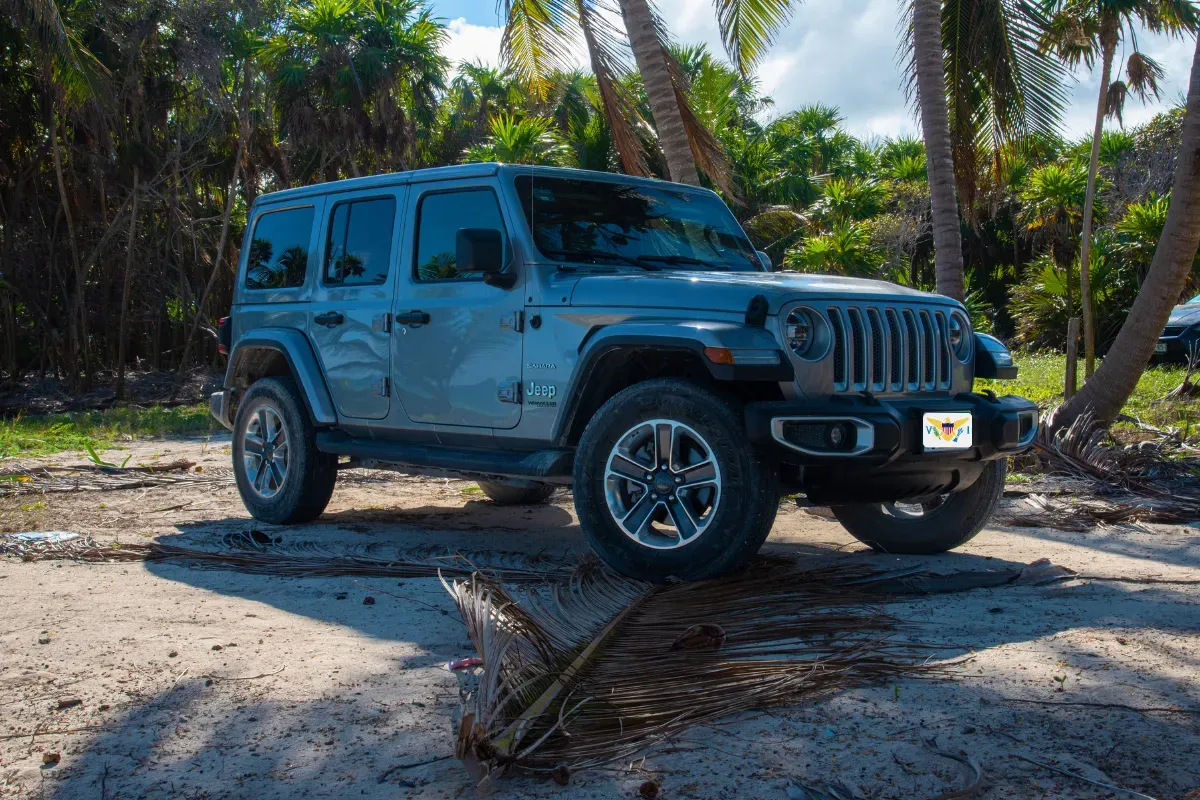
[(890, 349)]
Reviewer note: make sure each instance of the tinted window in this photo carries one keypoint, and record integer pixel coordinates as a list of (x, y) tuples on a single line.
[(440, 217), (360, 242), (278, 256), (653, 227)]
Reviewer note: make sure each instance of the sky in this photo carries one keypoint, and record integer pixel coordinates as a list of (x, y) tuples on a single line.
[(838, 53)]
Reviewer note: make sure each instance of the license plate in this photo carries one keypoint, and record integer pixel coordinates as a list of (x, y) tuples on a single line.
[(1160, 347), (946, 430)]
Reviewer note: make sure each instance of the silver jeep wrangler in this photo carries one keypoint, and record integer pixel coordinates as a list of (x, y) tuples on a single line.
[(531, 327)]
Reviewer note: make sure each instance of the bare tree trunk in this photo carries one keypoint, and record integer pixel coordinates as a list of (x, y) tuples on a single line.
[(76, 327), (939, 159), (1085, 248), (660, 91), (123, 326), (1118, 374), (230, 196)]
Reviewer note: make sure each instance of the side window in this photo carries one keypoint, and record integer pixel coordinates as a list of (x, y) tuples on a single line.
[(360, 242), (278, 256), (439, 216)]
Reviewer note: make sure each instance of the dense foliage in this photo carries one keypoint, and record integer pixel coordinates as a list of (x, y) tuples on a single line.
[(135, 134)]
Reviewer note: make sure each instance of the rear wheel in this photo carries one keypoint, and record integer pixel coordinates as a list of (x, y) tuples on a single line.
[(524, 493), (667, 484), (280, 474), (931, 526)]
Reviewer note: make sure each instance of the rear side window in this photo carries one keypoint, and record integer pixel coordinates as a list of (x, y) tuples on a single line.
[(279, 249), (360, 242), (439, 217)]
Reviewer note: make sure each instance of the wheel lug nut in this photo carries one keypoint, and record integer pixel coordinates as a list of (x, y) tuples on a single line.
[(679, 479), (649, 476)]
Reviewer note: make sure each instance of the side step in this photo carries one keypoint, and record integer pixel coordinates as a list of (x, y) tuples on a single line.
[(551, 466)]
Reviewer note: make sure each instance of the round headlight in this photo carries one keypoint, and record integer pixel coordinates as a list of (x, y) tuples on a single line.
[(958, 330), (798, 332)]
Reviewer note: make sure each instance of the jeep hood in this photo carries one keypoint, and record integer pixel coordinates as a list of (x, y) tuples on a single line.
[(732, 291), (1185, 315)]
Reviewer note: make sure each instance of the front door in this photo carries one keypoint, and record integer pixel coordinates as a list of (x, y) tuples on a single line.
[(349, 321), (457, 343)]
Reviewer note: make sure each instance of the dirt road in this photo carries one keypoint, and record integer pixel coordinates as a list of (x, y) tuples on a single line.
[(202, 683)]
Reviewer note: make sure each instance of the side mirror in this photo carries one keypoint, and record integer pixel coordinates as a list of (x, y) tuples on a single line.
[(765, 260), (482, 250), (992, 358)]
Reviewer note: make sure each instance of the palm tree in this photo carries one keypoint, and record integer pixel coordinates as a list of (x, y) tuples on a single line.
[(981, 84), (533, 140), (939, 159), (537, 40), (1113, 383), (1081, 31), (1053, 201)]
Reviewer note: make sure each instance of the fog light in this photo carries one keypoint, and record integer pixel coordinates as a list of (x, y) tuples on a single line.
[(837, 435)]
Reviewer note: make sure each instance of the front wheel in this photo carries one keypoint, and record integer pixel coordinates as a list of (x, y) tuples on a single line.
[(932, 526), (668, 485)]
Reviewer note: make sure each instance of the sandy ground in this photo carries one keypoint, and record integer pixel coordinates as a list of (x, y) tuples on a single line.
[(210, 684)]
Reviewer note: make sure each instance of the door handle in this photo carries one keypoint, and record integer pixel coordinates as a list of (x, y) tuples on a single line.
[(413, 318), (330, 319)]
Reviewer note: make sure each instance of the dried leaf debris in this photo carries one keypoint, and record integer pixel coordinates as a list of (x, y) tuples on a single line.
[(1098, 482), (581, 672)]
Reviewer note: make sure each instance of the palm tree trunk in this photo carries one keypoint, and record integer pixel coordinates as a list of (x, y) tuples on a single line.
[(1114, 382), (123, 325), (1085, 248), (660, 90), (939, 160)]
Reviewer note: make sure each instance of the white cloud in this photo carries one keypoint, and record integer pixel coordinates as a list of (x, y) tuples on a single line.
[(470, 42)]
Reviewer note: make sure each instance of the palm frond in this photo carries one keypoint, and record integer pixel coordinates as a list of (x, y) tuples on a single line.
[(536, 41), (581, 672), (1145, 74), (609, 53), (748, 28)]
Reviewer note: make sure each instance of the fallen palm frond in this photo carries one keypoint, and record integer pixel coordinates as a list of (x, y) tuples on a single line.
[(1113, 484), (304, 559), (580, 673), (97, 478)]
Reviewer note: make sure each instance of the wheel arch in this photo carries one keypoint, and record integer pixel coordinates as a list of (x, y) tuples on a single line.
[(616, 357), (268, 352)]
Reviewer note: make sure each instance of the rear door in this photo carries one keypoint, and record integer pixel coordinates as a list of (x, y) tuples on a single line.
[(350, 312), (458, 358)]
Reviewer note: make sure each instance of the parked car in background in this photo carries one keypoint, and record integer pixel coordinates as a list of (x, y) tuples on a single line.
[(1181, 336)]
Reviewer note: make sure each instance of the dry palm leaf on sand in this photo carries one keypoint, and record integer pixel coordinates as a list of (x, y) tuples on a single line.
[(1111, 484), (580, 673)]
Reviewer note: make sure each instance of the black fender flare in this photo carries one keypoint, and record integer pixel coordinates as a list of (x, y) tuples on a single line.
[(688, 337), (295, 348)]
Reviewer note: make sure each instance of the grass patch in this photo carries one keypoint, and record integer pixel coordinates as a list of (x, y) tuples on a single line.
[(45, 434), (1040, 378)]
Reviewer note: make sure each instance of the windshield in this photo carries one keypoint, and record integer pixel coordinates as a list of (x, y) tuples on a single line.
[(1195, 300), (600, 222)]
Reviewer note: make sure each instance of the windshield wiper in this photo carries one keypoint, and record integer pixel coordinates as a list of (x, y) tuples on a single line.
[(684, 260), (600, 254)]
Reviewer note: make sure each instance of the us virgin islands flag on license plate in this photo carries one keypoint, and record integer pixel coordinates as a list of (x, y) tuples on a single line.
[(946, 430)]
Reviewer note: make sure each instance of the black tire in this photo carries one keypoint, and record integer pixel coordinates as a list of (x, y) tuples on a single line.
[(517, 495), (735, 526), (310, 474), (944, 526)]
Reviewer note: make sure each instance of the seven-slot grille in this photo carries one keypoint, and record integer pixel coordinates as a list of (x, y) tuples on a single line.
[(890, 349)]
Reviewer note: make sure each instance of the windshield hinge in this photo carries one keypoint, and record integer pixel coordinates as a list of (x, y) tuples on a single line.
[(514, 322)]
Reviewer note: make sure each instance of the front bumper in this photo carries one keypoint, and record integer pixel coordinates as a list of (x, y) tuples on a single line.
[(220, 405), (882, 458)]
